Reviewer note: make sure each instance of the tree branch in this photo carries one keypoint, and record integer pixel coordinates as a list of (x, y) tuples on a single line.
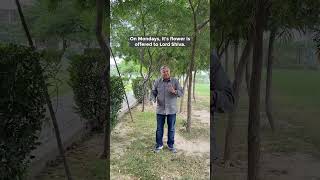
[(202, 25)]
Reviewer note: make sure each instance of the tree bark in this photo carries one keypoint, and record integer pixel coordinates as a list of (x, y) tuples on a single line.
[(236, 90), (248, 71), (46, 95), (194, 41), (145, 80), (235, 54), (299, 54), (64, 47), (150, 64), (115, 62), (105, 78), (194, 84), (226, 53), (269, 80), (184, 88), (143, 85), (254, 99), (142, 76)]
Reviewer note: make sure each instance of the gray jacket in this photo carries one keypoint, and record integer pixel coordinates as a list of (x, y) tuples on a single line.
[(221, 89), (166, 101), (222, 100)]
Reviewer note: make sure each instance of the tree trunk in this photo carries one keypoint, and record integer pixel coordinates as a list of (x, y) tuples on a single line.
[(269, 80), (248, 70), (115, 62), (64, 48), (143, 87), (142, 59), (105, 78), (299, 54), (235, 62), (148, 77), (184, 88), (187, 81), (194, 84), (181, 79), (236, 90), (226, 53), (143, 96), (254, 99), (150, 64), (194, 40), (46, 95)]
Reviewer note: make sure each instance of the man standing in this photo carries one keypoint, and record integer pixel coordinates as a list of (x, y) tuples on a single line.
[(222, 100), (165, 91)]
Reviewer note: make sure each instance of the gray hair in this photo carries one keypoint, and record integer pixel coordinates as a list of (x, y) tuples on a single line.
[(164, 67)]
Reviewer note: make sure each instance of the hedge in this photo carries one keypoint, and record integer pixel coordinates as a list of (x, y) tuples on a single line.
[(22, 109)]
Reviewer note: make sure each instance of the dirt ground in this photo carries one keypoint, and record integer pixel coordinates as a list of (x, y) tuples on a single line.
[(196, 147)]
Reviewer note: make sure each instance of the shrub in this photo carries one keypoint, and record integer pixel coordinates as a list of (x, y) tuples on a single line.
[(137, 86), (85, 71), (116, 97), (21, 108)]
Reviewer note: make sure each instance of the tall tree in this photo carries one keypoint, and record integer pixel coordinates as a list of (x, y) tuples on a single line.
[(248, 71), (157, 14), (195, 8), (194, 84), (226, 58), (286, 16), (235, 55), (103, 7), (194, 41), (236, 25), (255, 86), (236, 90), (269, 79), (184, 88), (46, 94)]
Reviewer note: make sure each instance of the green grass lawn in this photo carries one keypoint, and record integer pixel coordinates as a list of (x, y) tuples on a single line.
[(203, 89), (298, 87), (297, 100)]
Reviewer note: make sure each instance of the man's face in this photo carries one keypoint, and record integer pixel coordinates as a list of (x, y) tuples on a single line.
[(165, 73)]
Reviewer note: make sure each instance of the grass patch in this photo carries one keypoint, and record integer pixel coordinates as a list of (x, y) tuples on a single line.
[(202, 89), (202, 103), (196, 133), (298, 87), (139, 161), (296, 102)]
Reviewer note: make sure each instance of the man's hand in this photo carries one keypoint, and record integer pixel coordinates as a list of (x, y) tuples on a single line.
[(171, 89)]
